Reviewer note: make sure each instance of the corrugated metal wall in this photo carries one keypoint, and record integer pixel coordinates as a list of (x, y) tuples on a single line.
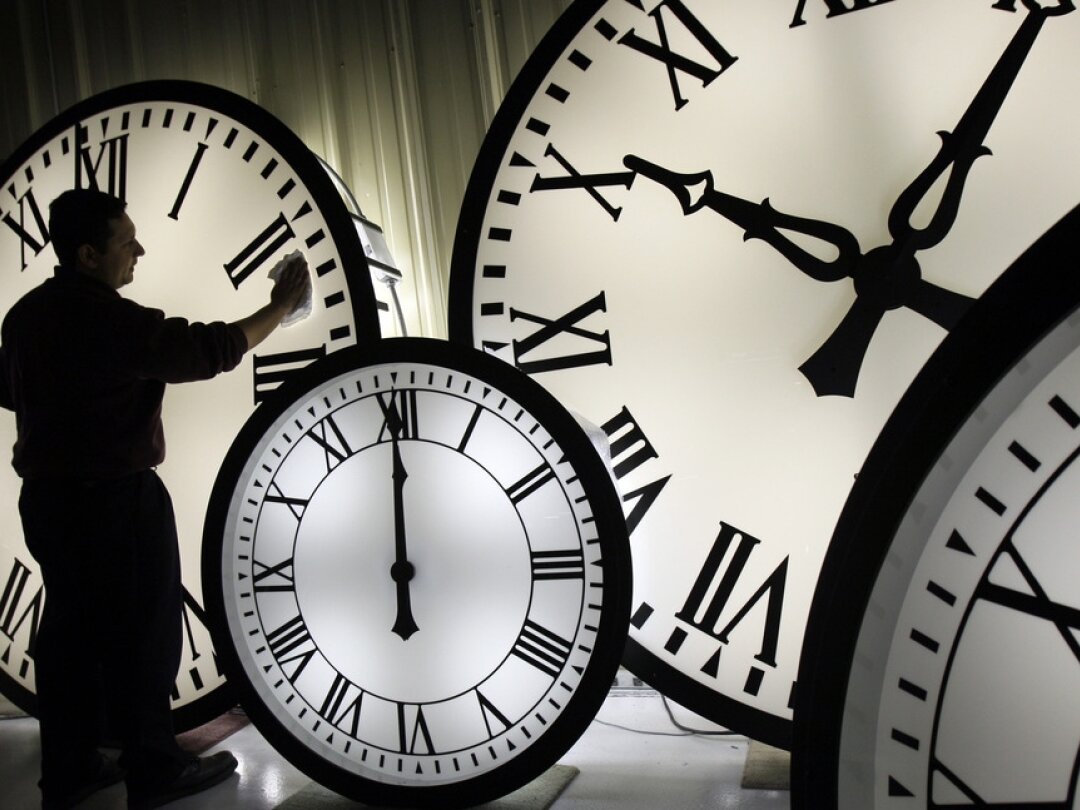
[(394, 94)]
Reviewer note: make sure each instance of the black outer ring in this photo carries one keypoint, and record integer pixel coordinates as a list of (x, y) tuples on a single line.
[(492, 151), (1040, 289), (674, 683), (561, 734), (326, 198)]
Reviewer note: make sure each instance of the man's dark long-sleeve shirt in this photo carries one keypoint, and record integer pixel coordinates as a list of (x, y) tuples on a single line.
[(85, 370)]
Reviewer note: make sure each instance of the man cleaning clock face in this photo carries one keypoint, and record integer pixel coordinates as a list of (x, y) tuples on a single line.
[(85, 370)]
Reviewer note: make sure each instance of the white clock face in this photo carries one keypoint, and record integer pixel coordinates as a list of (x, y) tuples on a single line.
[(423, 588), (219, 191), (943, 639), (742, 355)]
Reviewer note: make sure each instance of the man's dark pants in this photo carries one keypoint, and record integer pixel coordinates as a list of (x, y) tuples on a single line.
[(110, 634)]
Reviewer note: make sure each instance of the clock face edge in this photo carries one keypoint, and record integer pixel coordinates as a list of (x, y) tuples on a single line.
[(604, 662), (490, 155)]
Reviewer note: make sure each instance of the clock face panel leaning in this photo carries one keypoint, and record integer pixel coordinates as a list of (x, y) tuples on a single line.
[(421, 573), (219, 191), (731, 233), (943, 636)]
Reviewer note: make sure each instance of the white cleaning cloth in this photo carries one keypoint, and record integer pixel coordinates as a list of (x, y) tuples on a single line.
[(303, 306)]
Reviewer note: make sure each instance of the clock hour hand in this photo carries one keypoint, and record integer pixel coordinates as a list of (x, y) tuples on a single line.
[(964, 145), (759, 220), (402, 571)]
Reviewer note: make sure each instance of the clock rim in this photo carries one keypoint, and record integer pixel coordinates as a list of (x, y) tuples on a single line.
[(489, 157), (1039, 290), (300, 160), (600, 672)]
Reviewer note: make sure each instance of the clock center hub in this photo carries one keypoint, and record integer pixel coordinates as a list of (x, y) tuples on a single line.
[(468, 572), (887, 277)]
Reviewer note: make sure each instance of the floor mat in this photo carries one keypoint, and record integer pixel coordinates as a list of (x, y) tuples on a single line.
[(766, 768), (210, 734)]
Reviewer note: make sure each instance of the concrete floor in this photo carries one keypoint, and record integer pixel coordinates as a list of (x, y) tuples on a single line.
[(632, 757)]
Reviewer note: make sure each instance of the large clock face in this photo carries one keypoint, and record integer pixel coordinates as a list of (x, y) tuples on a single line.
[(943, 637), (731, 232), (422, 573), (219, 190)]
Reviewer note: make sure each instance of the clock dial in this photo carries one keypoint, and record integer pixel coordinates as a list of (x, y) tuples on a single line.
[(943, 636), (219, 190), (421, 573), (731, 233)]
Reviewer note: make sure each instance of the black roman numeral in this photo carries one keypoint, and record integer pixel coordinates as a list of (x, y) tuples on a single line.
[(107, 170), (271, 370), (296, 505), (193, 609), (553, 328), (529, 483), (630, 448), (292, 647), (1037, 603), (259, 251), (413, 733), (34, 234), (342, 704), (542, 649), (490, 713), (19, 605), (185, 187), (400, 416), (335, 446), (722, 586), (676, 63), (273, 578), (589, 182), (470, 428), (565, 564), (838, 8)]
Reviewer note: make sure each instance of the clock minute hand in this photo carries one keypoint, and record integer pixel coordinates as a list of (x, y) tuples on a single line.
[(402, 571), (964, 145), (758, 220)]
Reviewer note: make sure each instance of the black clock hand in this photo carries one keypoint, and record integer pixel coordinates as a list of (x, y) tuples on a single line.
[(887, 277), (402, 571), (758, 220), (964, 145)]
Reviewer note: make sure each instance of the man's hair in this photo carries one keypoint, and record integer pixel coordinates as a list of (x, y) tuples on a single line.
[(81, 217)]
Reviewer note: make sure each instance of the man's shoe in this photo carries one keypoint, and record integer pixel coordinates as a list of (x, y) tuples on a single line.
[(198, 775), (105, 774)]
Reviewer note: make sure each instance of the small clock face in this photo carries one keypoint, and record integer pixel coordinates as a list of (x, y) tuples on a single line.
[(219, 190), (731, 233), (943, 642), (423, 574)]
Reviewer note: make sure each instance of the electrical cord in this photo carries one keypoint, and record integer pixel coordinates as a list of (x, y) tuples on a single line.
[(684, 731)]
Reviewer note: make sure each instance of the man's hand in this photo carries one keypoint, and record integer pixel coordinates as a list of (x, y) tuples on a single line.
[(291, 285), (289, 289)]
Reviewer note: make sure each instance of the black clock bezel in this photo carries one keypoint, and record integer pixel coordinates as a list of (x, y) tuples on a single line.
[(492, 151), (1038, 291), (611, 529), (318, 184)]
